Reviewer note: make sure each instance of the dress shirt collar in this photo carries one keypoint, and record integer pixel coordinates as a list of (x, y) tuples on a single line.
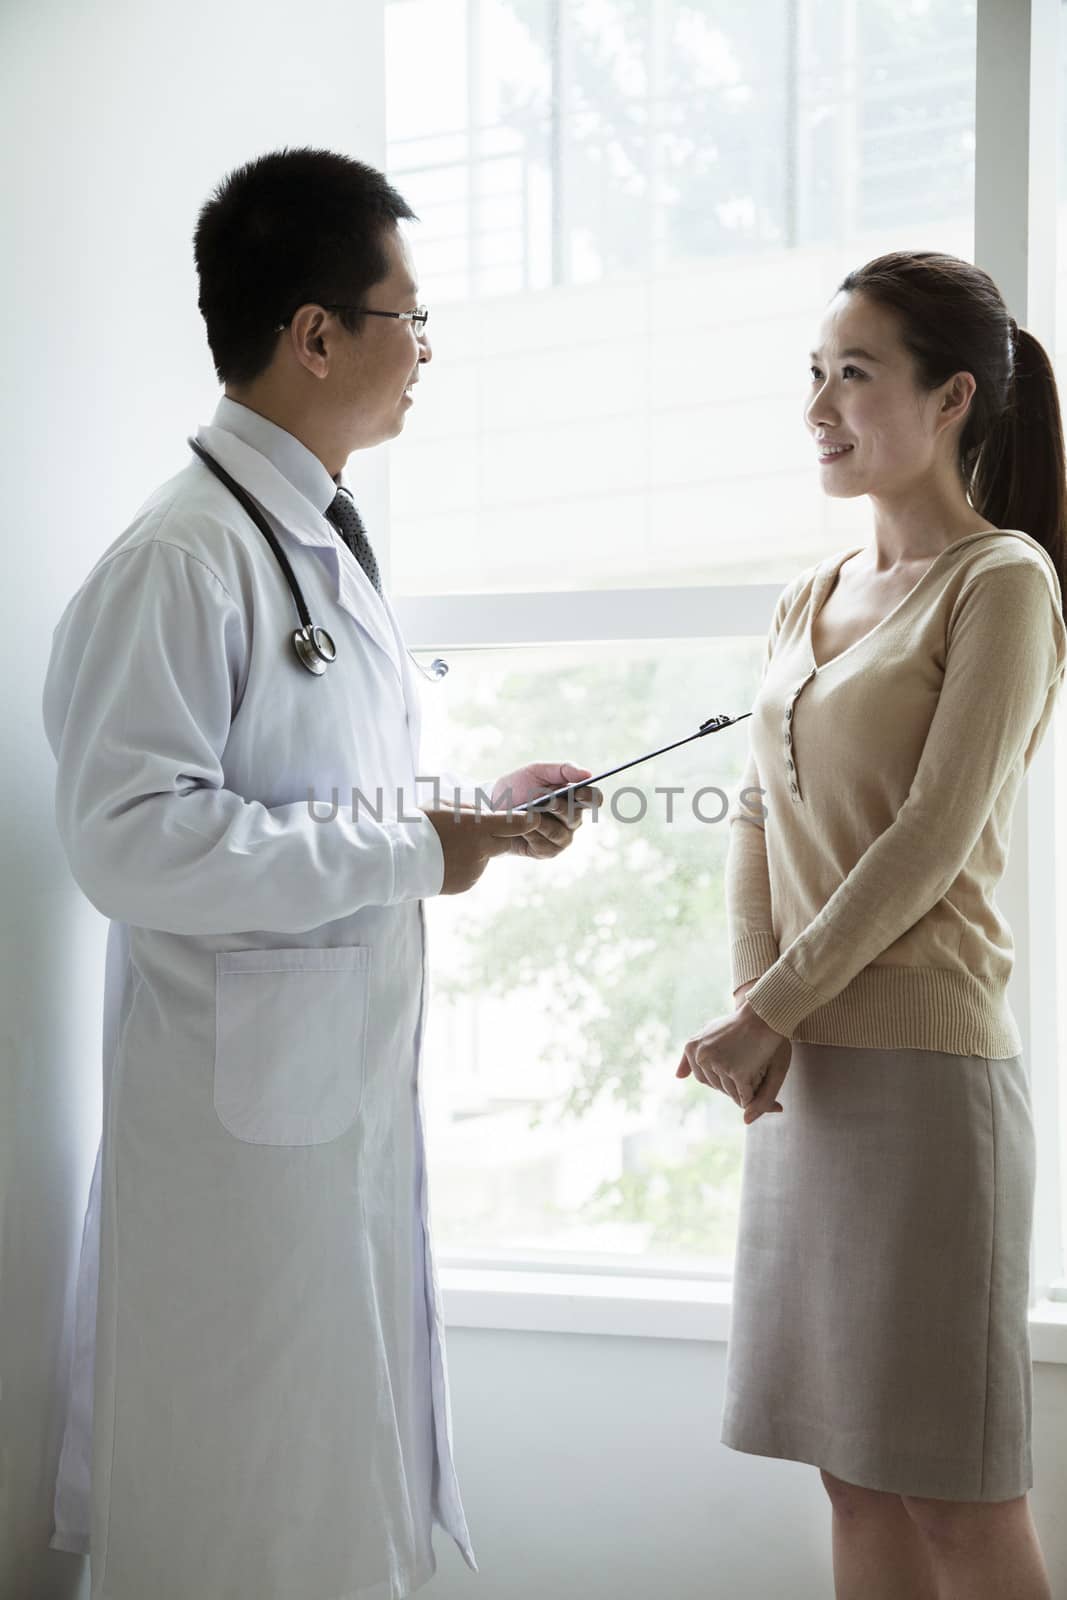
[(282, 449)]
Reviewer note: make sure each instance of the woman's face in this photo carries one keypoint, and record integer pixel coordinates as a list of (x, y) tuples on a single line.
[(875, 431)]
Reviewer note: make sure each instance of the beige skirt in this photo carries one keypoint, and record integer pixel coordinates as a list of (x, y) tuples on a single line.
[(879, 1326)]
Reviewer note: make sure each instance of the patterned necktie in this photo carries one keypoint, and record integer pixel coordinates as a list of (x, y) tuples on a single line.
[(346, 519)]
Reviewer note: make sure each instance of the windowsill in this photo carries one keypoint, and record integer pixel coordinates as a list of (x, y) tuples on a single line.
[(644, 1308)]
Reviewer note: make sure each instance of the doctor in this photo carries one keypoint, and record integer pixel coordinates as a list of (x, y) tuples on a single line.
[(259, 1407)]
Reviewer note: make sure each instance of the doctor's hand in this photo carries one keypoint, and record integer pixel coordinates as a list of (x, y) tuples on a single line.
[(742, 1056), (556, 821), (470, 836)]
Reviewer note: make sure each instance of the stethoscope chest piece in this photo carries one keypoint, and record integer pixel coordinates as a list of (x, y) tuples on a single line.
[(315, 649)]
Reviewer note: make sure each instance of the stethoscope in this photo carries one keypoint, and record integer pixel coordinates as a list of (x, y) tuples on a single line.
[(313, 645)]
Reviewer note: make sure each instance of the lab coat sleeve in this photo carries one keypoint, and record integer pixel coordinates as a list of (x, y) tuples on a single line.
[(1005, 658), (749, 913), (140, 691)]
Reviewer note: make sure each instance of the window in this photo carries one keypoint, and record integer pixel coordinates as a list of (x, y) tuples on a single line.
[(561, 1002), (632, 216)]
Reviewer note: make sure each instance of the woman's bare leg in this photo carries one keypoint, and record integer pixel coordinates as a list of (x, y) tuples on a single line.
[(982, 1550), (879, 1553)]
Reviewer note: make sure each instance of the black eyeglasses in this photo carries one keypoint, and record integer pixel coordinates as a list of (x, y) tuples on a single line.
[(418, 318)]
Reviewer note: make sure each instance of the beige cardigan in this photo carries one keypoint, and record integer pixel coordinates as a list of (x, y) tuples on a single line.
[(859, 885)]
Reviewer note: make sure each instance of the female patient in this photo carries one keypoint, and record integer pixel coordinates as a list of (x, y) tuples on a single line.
[(879, 1326)]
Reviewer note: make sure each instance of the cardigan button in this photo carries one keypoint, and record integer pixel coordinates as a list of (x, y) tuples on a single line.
[(788, 712)]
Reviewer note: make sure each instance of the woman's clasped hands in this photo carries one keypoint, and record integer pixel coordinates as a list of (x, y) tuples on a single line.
[(742, 1056)]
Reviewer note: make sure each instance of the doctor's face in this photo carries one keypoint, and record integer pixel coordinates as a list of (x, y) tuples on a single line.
[(874, 429), (380, 364)]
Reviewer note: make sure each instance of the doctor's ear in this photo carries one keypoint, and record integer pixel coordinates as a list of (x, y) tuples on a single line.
[(307, 340)]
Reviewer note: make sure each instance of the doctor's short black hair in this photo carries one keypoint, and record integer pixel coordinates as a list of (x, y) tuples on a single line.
[(293, 226)]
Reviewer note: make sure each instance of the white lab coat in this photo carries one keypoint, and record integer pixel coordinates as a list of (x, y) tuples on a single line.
[(259, 1354)]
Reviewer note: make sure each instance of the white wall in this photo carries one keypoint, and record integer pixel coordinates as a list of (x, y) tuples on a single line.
[(116, 120), (592, 1470), (591, 1466)]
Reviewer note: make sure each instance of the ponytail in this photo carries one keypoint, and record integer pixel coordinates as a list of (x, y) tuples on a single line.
[(1018, 473)]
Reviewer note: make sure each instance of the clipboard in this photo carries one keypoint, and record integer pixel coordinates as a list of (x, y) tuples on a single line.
[(712, 725)]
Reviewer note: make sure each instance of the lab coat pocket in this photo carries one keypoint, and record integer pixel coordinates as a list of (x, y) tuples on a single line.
[(290, 1042)]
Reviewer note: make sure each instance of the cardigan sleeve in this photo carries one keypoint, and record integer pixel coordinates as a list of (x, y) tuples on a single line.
[(750, 923), (1005, 657), (753, 946)]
